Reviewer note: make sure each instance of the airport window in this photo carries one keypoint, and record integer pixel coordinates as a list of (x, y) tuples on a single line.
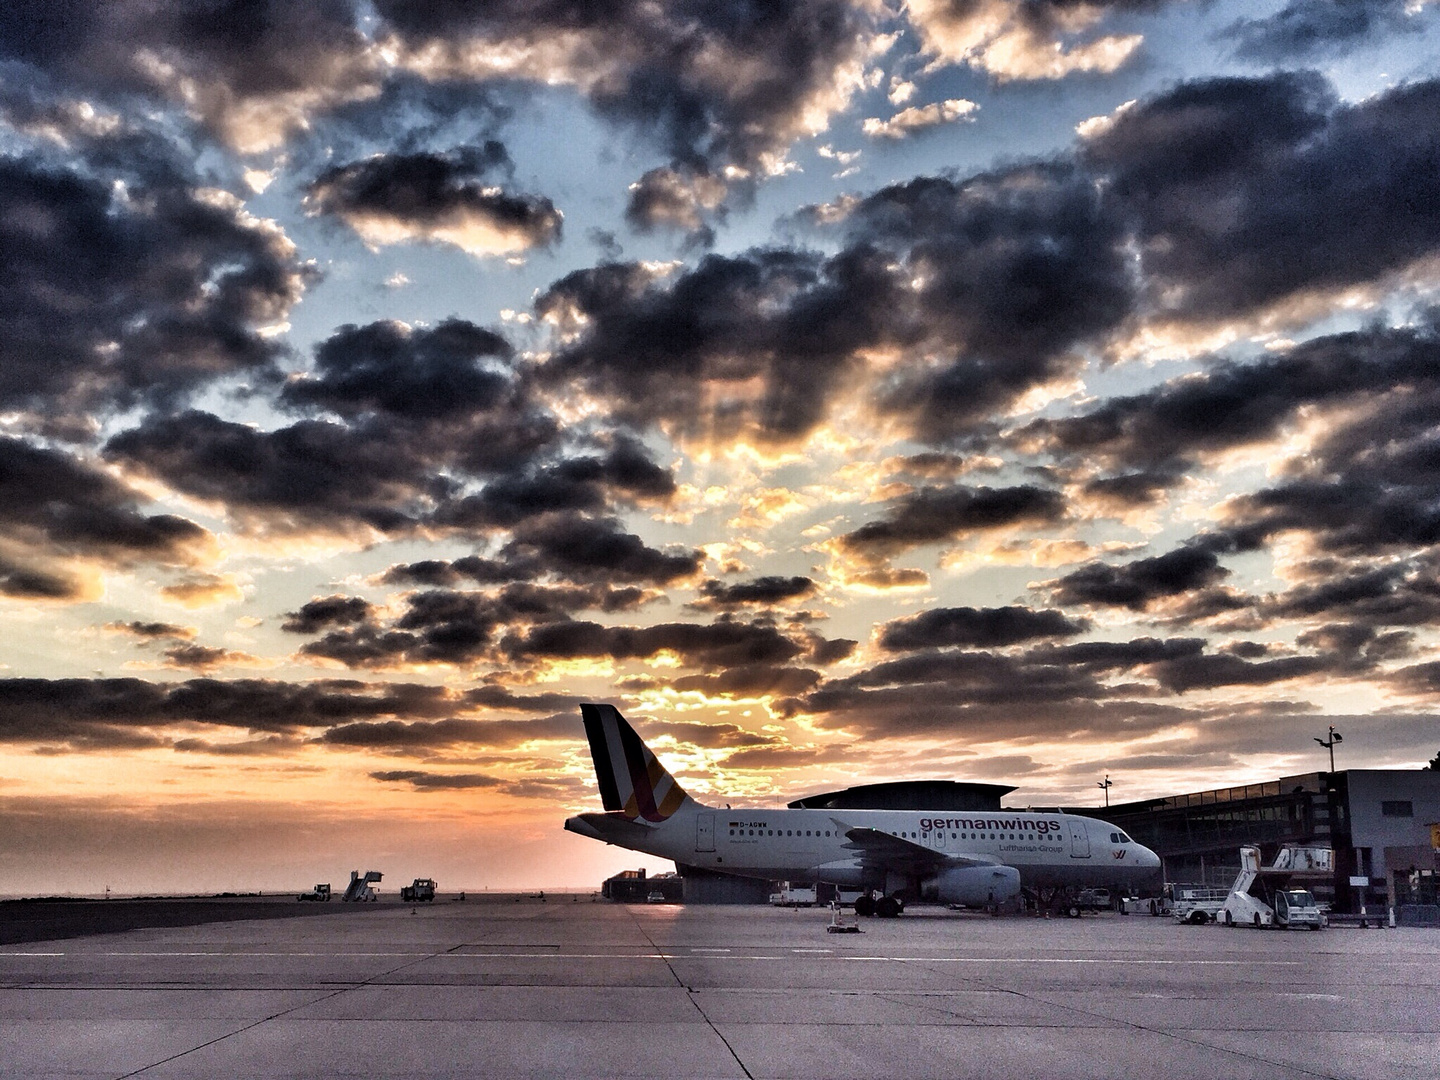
[(1397, 808)]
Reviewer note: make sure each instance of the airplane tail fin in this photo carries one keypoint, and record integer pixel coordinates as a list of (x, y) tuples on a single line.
[(631, 780)]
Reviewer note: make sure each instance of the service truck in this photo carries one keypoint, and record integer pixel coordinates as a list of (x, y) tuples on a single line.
[(421, 891), (795, 896)]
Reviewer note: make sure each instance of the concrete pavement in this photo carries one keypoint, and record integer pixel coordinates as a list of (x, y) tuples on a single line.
[(579, 989)]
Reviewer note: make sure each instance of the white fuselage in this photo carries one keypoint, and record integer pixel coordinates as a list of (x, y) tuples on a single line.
[(1047, 849)]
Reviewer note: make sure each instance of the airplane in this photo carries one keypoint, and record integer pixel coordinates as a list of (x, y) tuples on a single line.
[(971, 858)]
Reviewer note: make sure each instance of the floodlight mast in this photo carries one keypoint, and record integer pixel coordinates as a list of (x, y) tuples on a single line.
[(1329, 744), (1105, 784)]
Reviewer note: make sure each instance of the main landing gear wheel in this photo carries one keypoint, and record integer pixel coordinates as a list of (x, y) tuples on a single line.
[(1073, 911), (865, 904), (887, 907)]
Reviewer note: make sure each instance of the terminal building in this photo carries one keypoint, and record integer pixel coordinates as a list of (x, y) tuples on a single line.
[(1377, 821)]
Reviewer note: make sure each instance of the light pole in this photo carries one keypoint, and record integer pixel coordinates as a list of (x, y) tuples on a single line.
[(1106, 785), (1329, 744)]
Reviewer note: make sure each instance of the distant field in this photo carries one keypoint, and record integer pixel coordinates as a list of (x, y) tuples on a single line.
[(52, 920)]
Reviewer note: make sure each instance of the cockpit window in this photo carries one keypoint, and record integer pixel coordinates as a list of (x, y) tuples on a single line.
[(1120, 838)]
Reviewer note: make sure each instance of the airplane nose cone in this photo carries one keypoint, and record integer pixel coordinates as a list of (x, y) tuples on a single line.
[(1149, 860)]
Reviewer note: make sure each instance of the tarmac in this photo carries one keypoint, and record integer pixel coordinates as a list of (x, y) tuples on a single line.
[(569, 987)]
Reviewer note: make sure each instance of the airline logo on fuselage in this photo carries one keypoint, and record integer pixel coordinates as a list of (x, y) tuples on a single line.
[(1038, 825)]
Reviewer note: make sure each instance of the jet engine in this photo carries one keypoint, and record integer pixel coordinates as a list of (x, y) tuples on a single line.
[(847, 873), (973, 886)]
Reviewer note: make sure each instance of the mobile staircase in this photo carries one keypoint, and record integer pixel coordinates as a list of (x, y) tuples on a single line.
[(361, 889), (1275, 895)]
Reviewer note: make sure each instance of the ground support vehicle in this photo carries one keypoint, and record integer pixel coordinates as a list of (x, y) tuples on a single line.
[(1275, 895), (321, 893), (1196, 904), (794, 896), (422, 891), (362, 889)]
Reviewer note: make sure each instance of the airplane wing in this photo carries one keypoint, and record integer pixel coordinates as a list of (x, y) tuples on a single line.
[(882, 851)]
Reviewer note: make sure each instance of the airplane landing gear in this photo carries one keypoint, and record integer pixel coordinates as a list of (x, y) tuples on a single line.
[(886, 907)]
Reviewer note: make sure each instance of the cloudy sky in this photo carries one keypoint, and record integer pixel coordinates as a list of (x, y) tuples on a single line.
[(1009, 390)]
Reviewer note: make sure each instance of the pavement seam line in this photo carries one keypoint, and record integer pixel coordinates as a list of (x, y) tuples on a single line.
[(690, 994), (1193, 1041), (285, 1012)]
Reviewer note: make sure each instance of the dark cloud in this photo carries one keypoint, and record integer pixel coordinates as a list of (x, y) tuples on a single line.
[(1091, 689), (1138, 584), (1206, 672), (450, 198), (724, 89), (443, 625), (451, 371), (1310, 28), (716, 84), (935, 514), (197, 657), (313, 474), (428, 781), (595, 550), (54, 507), (314, 616), (749, 681), (1234, 404), (766, 591), (252, 71), (151, 631), (579, 483), (722, 644), (705, 736), (1007, 272), (125, 295), (432, 427), (1402, 593), (32, 583), (689, 352), (425, 736), (78, 712), (1244, 192), (1420, 679), (1360, 642), (982, 627)]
